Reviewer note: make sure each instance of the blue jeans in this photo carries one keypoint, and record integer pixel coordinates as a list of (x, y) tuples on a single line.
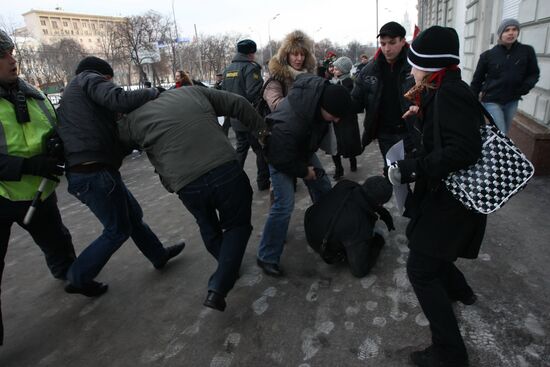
[(502, 114), (220, 201), (276, 226), (121, 215)]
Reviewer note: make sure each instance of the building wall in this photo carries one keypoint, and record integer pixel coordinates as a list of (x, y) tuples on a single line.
[(52, 26), (476, 22)]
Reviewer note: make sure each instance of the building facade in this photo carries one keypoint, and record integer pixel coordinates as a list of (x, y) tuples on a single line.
[(476, 22), (52, 26)]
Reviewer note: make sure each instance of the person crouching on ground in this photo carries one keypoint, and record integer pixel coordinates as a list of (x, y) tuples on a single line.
[(340, 226)]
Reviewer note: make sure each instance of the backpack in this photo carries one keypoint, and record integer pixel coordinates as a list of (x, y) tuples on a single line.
[(261, 105)]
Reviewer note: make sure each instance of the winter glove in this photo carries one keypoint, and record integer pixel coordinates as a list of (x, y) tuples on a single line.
[(394, 174), (42, 166)]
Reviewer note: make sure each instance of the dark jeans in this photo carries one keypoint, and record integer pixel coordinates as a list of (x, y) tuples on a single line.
[(220, 201), (436, 282), (121, 215), (245, 140), (46, 229)]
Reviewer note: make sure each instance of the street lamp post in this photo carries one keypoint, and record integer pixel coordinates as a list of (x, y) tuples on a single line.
[(269, 34)]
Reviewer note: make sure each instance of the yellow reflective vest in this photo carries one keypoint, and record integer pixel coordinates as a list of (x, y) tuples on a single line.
[(25, 140)]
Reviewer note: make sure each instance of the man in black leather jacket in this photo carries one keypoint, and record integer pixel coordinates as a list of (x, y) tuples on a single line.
[(380, 87)]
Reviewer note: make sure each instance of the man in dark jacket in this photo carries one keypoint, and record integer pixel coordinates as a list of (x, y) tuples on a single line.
[(27, 120), (244, 77), (93, 153), (379, 90), (208, 179), (504, 74), (340, 226), (298, 126)]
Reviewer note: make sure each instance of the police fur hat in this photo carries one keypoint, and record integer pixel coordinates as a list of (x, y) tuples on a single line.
[(6, 43), (434, 49), (294, 41), (246, 47)]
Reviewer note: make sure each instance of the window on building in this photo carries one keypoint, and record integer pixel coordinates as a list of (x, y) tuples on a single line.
[(93, 25), (54, 24), (75, 25), (43, 22), (65, 24), (45, 31), (90, 40)]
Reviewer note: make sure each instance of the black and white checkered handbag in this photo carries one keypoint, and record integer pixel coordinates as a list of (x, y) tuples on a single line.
[(501, 172)]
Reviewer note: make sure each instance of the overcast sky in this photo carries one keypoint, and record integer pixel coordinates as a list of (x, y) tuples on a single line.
[(340, 21)]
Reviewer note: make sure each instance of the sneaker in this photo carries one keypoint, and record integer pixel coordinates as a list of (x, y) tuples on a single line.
[(171, 251)]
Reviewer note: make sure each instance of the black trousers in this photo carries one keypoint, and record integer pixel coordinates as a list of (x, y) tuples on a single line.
[(362, 256), (245, 140), (436, 283), (47, 230)]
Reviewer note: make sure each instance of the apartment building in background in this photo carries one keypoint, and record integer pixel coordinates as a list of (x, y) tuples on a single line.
[(51, 26), (476, 22)]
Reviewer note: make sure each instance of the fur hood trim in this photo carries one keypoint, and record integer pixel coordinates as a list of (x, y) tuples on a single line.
[(294, 41)]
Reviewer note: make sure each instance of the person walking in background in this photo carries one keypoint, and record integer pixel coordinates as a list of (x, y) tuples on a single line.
[(441, 229), (341, 225), (93, 154), (244, 77), (347, 129), (364, 61), (299, 124), (27, 120), (379, 90), (505, 73), (208, 178)]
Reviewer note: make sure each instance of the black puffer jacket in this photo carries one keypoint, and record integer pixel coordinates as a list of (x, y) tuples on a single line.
[(297, 127), (367, 92), (87, 118), (504, 75)]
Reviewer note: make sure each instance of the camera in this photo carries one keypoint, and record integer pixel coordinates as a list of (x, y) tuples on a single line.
[(54, 147)]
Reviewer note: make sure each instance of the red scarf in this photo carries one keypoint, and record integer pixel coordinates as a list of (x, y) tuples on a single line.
[(434, 80)]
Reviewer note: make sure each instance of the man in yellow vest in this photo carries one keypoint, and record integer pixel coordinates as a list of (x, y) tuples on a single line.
[(27, 119)]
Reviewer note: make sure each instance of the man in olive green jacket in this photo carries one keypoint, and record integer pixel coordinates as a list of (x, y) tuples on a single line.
[(181, 135)]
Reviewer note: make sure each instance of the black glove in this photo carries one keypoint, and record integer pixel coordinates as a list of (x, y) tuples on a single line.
[(42, 166)]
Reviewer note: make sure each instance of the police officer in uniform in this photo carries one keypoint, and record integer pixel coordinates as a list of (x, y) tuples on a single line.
[(244, 77), (27, 120)]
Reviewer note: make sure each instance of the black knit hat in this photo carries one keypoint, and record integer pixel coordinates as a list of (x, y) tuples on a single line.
[(246, 47), (336, 100), (392, 29), (378, 188), (434, 49), (95, 64)]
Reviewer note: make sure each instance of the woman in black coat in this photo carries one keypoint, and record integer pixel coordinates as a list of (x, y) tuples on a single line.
[(347, 134), (441, 229)]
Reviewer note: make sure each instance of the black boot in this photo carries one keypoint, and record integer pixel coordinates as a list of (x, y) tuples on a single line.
[(353, 164), (338, 168)]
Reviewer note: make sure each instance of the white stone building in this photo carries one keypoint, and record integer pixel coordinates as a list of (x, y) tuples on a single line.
[(476, 22)]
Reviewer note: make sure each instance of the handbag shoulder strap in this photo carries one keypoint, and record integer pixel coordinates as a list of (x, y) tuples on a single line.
[(437, 129)]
